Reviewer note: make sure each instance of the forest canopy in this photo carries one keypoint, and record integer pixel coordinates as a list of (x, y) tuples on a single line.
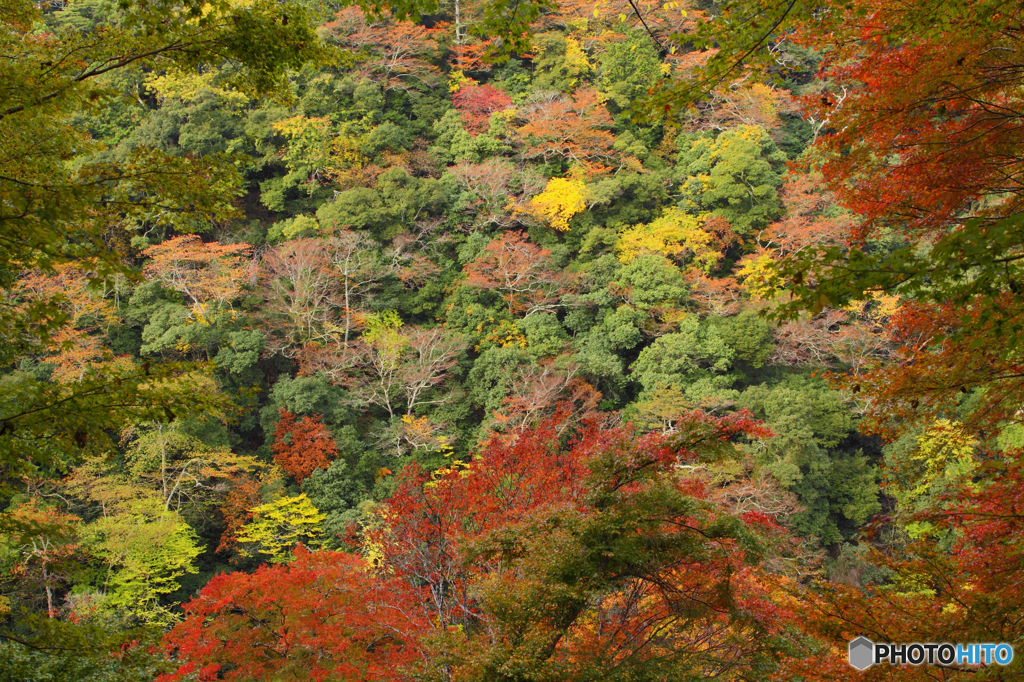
[(525, 340)]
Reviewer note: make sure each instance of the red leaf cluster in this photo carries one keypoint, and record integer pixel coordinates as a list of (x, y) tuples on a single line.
[(320, 617), (933, 365), (302, 446), (918, 111), (476, 103)]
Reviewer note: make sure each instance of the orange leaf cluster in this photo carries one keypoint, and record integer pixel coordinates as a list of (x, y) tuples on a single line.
[(87, 312), (571, 128), (519, 270), (302, 446), (237, 506), (805, 223), (201, 272), (393, 53)]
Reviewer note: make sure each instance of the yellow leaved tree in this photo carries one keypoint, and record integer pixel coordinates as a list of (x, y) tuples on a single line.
[(940, 458), (561, 199), (756, 274), (278, 526), (676, 235), (321, 150)]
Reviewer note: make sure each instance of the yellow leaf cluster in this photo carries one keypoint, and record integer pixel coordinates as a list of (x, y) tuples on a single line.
[(561, 199), (943, 456), (189, 86), (676, 235), (420, 432), (575, 57), (766, 100), (877, 308), (504, 335), (886, 304), (314, 142), (945, 449), (457, 79), (279, 525), (758, 277)]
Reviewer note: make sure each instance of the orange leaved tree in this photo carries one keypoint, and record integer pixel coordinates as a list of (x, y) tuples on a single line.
[(521, 271), (301, 446), (324, 616)]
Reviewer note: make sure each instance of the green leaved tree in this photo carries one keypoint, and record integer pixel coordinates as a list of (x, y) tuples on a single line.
[(62, 200)]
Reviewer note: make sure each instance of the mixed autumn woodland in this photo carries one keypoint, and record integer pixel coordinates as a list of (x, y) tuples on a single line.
[(508, 340)]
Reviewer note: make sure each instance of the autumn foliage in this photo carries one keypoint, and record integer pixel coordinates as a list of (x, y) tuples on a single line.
[(301, 446), (476, 103), (460, 567), (934, 100), (573, 129), (919, 144), (645, 366), (393, 53), (518, 270), (201, 272), (321, 617), (242, 498)]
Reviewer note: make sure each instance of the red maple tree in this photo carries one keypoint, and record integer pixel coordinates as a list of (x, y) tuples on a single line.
[(302, 446), (476, 103), (921, 145), (321, 617), (918, 112)]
